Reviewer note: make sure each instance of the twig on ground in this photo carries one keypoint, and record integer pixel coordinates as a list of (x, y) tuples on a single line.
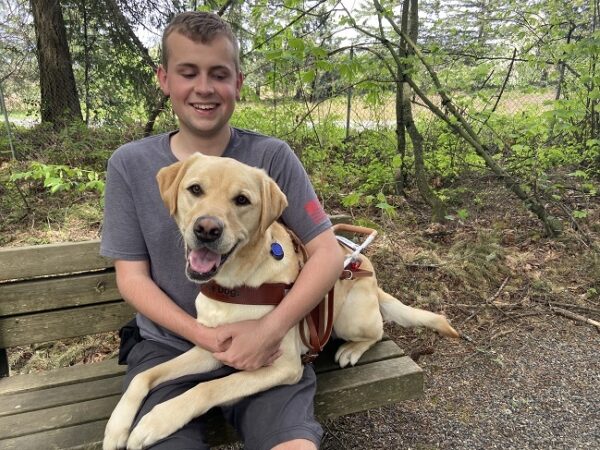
[(572, 315), (422, 266), (515, 317), (488, 302), (501, 333), (333, 435), (495, 296), (467, 338), (583, 308)]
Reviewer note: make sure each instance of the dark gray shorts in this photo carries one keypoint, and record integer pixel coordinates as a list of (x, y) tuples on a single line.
[(263, 420)]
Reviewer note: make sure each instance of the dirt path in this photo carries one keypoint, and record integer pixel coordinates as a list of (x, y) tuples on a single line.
[(534, 386)]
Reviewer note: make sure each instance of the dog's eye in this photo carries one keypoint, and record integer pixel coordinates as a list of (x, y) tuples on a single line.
[(195, 189), (242, 200)]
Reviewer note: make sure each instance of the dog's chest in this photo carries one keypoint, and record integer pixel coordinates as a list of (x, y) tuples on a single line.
[(212, 313)]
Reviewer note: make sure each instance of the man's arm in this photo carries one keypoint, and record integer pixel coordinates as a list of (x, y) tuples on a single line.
[(254, 343), (140, 291)]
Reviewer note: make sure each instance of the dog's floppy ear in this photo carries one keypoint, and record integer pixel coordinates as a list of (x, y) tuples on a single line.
[(274, 202), (168, 184)]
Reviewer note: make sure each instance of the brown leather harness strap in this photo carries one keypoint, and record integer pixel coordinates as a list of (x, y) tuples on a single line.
[(319, 322), (320, 325), (351, 274), (267, 294)]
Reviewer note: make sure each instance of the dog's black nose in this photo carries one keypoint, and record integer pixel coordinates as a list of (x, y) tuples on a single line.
[(208, 229)]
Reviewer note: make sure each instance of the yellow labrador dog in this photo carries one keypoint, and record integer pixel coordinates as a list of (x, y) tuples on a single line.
[(226, 212)]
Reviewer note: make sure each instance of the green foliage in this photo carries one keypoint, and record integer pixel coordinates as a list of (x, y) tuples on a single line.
[(360, 172), (73, 146), (55, 178)]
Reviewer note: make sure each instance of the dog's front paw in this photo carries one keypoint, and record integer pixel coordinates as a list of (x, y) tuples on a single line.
[(115, 435), (350, 352), (117, 429), (152, 427)]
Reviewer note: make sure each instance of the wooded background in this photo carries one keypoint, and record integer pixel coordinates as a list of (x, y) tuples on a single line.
[(377, 98)]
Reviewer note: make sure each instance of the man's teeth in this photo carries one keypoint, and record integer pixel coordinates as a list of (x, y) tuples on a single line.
[(205, 107)]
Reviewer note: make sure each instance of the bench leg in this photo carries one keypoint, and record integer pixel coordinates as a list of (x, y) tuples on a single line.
[(3, 363)]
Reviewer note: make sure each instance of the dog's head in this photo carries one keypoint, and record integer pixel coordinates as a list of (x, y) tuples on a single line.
[(220, 205)]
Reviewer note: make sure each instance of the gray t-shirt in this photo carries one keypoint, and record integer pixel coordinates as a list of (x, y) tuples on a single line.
[(137, 225)]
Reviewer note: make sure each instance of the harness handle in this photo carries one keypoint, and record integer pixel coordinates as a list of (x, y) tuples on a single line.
[(354, 229)]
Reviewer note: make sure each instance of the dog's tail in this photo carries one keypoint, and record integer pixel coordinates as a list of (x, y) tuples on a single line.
[(394, 310)]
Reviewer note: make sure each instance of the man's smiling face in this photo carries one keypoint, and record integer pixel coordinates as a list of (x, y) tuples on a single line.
[(203, 83)]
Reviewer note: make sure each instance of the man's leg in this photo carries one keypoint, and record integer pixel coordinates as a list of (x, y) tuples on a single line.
[(282, 417)]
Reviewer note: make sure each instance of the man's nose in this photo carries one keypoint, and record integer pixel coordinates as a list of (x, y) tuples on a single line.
[(204, 85)]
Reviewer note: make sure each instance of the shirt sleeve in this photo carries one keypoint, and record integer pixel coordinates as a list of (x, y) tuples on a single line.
[(122, 236), (305, 214)]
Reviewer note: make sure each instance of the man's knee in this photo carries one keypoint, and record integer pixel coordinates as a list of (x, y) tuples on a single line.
[(296, 444)]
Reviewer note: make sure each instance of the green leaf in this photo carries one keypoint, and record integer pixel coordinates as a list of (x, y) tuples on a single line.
[(296, 44), (352, 199), (308, 76), (462, 214), (579, 174)]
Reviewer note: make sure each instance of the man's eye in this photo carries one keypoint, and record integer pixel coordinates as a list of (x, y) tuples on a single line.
[(242, 200), (195, 190), (220, 75)]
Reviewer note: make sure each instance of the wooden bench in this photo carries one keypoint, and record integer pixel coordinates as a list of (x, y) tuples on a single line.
[(57, 291)]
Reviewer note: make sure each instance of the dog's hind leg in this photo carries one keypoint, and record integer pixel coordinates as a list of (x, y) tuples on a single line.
[(196, 360), (358, 322), (394, 310), (166, 418)]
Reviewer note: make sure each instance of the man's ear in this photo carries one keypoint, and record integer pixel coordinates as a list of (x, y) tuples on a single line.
[(161, 76), (168, 184), (274, 202)]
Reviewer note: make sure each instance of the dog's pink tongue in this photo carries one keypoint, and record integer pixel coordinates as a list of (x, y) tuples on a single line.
[(203, 260)]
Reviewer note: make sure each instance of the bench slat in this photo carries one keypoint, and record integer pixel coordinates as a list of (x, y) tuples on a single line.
[(60, 396), (61, 324), (60, 377), (51, 259), (368, 386), (87, 436), (55, 293), (57, 417)]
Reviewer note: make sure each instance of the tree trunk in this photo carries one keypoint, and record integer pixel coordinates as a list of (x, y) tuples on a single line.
[(400, 178), (438, 210), (59, 99), (149, 127), (410, 25)]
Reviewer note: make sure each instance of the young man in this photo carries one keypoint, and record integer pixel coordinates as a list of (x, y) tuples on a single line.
[(200, 73)]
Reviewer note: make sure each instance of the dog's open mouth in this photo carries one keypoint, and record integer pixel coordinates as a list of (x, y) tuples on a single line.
[(203, 264)]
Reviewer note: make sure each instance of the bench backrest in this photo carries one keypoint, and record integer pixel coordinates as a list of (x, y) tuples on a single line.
[(56, 291)]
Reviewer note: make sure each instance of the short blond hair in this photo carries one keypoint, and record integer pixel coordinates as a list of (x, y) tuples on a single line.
[(201, 27)]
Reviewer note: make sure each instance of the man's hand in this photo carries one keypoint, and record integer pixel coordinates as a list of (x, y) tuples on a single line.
[(252, 344), (208, 339)]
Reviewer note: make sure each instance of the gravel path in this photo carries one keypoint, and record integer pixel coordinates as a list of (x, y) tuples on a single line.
[(535, 385)]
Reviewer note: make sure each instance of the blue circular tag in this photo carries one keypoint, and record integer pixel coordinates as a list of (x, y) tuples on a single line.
[(277, 251)]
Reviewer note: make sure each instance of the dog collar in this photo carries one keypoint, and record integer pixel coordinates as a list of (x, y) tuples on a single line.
[(267, 294)]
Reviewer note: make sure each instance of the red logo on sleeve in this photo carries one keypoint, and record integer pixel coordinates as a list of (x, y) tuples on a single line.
[(316, 212)]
